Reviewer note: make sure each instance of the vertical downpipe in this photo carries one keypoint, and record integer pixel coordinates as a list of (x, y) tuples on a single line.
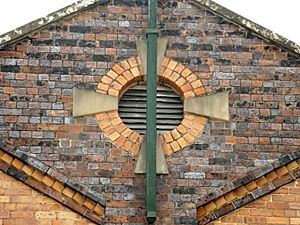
[(151, 132)]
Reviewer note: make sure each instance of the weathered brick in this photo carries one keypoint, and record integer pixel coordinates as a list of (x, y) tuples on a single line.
[(175, 146), (79, 198), (261, 181), (282, 171), (36, 84), (7, 158), (58, 186), (224, 210), (28, 170), (220, 202), (210, 207), (37, 175), (243, 201), (68, 192), (89, 204), (48, 181), (280, 181), (99, 210)]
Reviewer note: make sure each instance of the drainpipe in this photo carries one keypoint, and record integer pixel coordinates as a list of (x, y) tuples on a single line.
[(151, 132)]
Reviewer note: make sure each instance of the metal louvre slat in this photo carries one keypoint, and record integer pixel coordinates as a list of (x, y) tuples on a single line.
[(132, 109), (139, 104)]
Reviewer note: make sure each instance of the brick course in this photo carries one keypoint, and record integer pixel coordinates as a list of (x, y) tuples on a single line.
[(38, 74), (22, 205)]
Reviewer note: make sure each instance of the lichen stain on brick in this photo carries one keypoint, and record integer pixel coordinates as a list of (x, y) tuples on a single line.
[(5, 38), (73, 8)]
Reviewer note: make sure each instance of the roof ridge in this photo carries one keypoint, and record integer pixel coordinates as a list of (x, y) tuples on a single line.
[(246, 189), (52, 183)]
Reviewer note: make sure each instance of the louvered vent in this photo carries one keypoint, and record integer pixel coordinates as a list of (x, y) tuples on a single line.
[(132, 109)]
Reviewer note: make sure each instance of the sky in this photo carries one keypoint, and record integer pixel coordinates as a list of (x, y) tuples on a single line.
[(283, 17)]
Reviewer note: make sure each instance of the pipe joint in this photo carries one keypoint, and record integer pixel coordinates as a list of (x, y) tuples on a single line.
[(152, 31)]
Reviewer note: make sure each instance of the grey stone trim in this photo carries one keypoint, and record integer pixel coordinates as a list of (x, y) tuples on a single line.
[(161, 165), (241, 21), (17, 34), (214, 106), (87, 102)]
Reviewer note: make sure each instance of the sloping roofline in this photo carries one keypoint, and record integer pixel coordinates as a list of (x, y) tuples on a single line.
[(257, 29), (16, 35), (26, 30)]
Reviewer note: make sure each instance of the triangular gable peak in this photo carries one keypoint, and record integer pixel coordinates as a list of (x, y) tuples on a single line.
[(18, 34)]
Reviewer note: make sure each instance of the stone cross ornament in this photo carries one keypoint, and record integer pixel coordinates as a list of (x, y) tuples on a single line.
[(151, 66), (213, 106)]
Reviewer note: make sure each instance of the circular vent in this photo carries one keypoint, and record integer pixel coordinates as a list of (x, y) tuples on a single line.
[(132, 109)]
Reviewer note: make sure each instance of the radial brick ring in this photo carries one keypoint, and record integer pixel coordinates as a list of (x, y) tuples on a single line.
[(171, 73)]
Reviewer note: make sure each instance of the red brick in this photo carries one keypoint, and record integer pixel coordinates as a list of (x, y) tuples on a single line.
[(113, 92), (135, 72), (128, 75), (168, 137), (167, 149), (179, 68), (199, 91), (165, 62), (118, 69), (196, 84), (106, 80), (168, 73), (120, 141), (175, 134), (132, 62), (127, 145), (185, 88), (186, 72), (182, 142), (174, 76), (175, 146), (114, 136), (277, 220), (181, 81), (103, 87), (121, 80), (190, 139), (112, 74), (127, 132), (125, 65)]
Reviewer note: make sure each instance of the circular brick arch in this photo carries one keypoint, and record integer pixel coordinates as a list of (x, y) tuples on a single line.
[(173, 74)]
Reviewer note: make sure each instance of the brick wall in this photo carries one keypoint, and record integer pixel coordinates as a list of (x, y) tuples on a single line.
[(37, 77), (280, 207), (20, 204)]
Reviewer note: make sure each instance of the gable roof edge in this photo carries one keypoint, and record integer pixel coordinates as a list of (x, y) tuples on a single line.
[(17, 34), (241, 21)]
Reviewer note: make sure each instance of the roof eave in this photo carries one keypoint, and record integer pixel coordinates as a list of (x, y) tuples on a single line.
[(26, 30)]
